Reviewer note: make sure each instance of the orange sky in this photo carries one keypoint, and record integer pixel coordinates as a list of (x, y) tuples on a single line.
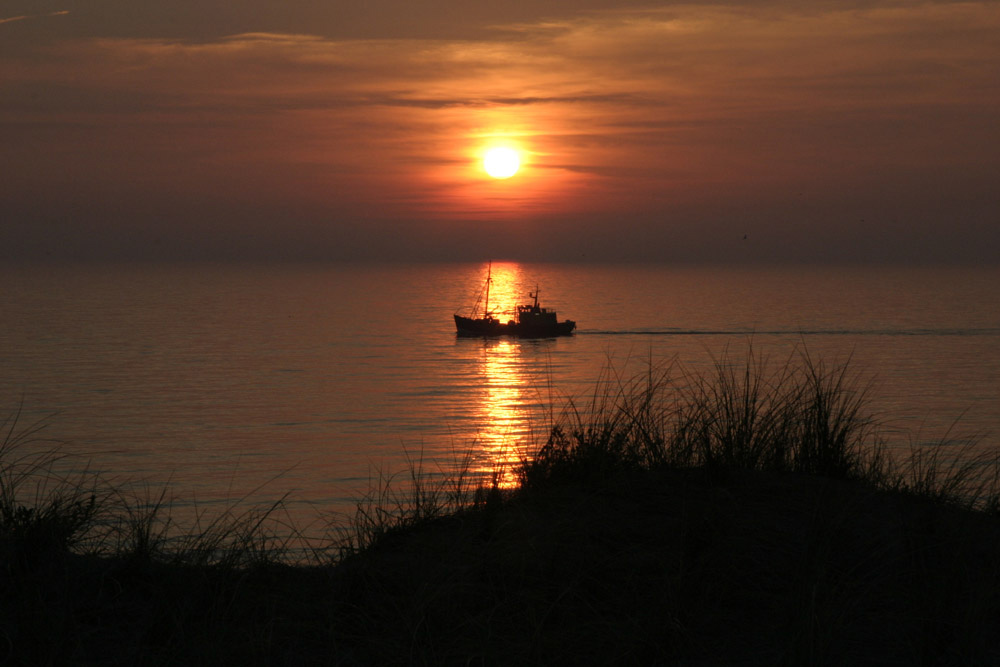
[(654, 131)]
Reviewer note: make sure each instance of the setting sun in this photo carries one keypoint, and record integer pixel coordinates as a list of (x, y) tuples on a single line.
[(501, 162)]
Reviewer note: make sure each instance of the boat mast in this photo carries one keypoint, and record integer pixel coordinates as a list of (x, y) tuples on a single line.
[(489, 279)]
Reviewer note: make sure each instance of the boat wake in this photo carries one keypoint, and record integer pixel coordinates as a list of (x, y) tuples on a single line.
[(790, 332)]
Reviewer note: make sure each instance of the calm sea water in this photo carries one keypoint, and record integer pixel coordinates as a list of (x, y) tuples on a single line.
[(224, 382)]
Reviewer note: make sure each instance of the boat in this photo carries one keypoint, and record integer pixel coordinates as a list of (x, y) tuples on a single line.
[(530, 320)]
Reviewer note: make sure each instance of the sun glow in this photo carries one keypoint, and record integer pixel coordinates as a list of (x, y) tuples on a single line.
[(501, 162)]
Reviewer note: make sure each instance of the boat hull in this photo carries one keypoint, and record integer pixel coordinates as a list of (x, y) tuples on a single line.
[(491, 327)]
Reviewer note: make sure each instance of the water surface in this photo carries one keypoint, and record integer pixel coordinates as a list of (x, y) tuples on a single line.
[(226, 381)]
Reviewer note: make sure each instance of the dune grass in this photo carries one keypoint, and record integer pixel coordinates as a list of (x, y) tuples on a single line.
[(802, 416), (758, 514)]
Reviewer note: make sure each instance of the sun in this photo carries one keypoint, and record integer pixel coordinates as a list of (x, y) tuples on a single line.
[(501, 162)]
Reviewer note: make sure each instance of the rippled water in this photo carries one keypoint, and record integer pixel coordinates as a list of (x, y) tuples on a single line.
[(228, 381)]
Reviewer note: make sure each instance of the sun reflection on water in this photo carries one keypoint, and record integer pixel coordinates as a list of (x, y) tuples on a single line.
[(505, 290), (503, 413), (508, 399)]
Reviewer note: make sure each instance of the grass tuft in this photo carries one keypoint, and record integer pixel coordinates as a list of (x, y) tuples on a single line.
[(803, 416)]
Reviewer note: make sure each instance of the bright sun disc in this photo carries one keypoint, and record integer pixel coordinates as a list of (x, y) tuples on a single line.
[(501, 162)]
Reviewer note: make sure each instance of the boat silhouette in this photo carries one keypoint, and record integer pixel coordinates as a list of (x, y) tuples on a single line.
[(530, 320)]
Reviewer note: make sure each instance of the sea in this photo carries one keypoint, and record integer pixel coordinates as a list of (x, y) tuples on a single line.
[(223, 385)]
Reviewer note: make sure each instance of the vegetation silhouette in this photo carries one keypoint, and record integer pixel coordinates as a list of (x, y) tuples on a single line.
[(759, 514)]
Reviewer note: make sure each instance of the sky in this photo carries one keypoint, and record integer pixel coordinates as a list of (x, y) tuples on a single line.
[(767, 131)]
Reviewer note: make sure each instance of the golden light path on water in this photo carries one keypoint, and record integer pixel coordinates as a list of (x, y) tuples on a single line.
[(504, 285), (502, 410)]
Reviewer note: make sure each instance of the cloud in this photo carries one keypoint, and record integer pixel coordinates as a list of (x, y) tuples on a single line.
[(12, 19), (489, 102)]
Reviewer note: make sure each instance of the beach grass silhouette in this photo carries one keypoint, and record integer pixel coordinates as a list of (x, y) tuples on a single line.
[(756, 514)]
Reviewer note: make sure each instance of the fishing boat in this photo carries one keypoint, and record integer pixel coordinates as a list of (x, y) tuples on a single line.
[(530, 320)]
